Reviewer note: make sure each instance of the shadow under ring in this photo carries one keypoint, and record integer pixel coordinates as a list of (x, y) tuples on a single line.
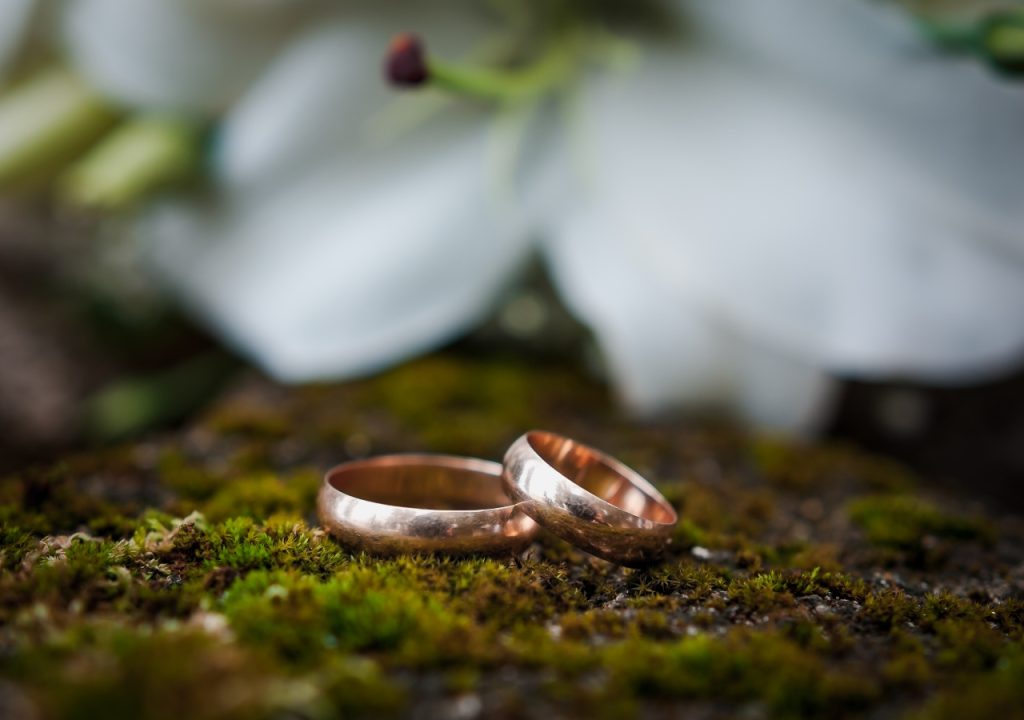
[(588, 498), (422, 504)]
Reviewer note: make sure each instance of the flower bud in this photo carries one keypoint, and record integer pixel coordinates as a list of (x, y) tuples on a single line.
[(406, 64)]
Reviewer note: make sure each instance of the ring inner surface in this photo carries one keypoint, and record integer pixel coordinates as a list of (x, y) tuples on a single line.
[(421, 485), (588, 470)]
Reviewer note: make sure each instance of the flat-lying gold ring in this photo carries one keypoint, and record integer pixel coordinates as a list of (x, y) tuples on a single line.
[(422, 504), (588, 498)]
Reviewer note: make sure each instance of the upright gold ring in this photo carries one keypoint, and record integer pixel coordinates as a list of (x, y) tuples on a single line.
[(422, 504), (588, 498)]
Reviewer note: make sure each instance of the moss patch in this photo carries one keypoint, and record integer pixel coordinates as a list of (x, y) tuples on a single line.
[(907, 522), (184, 575)]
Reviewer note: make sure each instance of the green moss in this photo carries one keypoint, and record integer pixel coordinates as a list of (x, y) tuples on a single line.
[(602, 625), (740, 667), (485, 406), (187, 479), (301, 618), (357, 687), (130, 675), (505, 595), (243, 544), (1009, 617), (804, 468), (197, 566), (50, 500), (15, 542), (688, 534), (944, 605), (824, 556), (722, 517), (102, 671), (904, 522), (761, 593), (249, 420), (827, 584), (265, 495), (967, 646), (889, 609), (995, 694), (907, 665)]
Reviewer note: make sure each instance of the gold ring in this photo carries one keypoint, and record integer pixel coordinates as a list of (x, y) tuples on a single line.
[(422, 504), (588, 498)]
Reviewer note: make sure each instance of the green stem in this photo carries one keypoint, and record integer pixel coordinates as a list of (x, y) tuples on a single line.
[(142, 155), (46, 122), (553, 69)]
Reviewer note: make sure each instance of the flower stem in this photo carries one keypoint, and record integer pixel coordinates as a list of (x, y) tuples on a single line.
[(46, 122), (551, 70), (408, 66), (144, 154)]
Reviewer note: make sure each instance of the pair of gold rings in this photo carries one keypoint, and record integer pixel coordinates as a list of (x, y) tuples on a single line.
[(455, 505)]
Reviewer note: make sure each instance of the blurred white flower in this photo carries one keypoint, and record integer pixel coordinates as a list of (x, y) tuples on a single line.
[(796, 189), (177, 55)]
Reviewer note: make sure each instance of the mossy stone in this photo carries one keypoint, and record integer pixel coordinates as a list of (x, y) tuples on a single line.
[(185, 575)]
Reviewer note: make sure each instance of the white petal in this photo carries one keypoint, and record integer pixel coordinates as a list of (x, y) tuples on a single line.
[(664, 348), (320, 89), (166, 54), (820, 226), (953, 118), (14, 20), (326, 93), (354, 267)]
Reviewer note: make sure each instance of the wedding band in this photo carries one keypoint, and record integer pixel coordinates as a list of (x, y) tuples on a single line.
[(588, 498), (422, 504)]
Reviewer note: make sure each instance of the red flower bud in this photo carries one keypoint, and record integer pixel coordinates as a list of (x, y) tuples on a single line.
[(406, 64)]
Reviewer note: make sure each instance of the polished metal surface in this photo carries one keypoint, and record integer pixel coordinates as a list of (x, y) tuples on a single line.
[(588, 498), (422, 504)]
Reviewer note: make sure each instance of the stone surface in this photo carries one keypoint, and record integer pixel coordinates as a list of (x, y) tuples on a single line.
[(182, 574)]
